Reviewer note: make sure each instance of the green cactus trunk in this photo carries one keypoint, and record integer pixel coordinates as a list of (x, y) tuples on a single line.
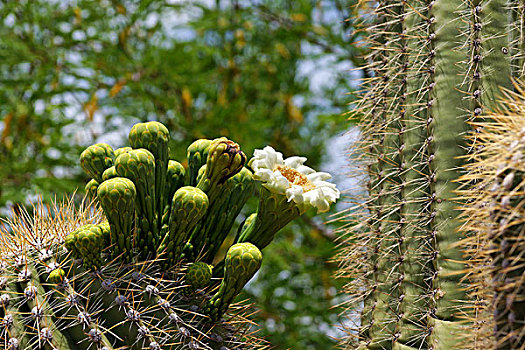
[(437, 64)]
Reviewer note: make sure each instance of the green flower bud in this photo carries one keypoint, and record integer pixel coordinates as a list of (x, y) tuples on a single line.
[(117, 198), (175, 178), (242, 261), (188, 206), (138, 165), (106, 232), (197, 157), (225, 159), (109, 173), (87, 243), (95, 159), (121, 150), (198, 275), (154, 137), (91, 188)]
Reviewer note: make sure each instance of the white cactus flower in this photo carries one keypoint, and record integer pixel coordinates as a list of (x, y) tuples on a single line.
[(291, 177)]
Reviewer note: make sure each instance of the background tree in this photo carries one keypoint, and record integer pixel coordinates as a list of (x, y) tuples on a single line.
[(259, 72)]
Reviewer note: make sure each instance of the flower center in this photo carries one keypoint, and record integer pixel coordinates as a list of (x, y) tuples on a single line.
[(295, 177)]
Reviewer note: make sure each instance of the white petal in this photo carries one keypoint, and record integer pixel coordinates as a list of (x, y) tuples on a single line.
[(295, 193), (317, 199), (280, 180), (303, 169), (263, 174), (294, 162), (266, 158), (318, 176)]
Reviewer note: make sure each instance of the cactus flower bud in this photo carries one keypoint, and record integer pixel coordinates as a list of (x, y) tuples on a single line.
[(91, 188), (197, 157), (95, 159), (243, 260), (225, 159), (198, 275), (117, 198)]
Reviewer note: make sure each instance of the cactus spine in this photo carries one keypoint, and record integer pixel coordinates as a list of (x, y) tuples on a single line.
[(436, 65)]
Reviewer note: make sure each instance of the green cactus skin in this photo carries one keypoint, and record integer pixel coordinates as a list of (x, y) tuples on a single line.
[(242, 261), (117, 198), (91, 189), (197, 157), (416, 245), (154, 137), (198, 275), (447, 114), (95, 159), (188, 206), (138, 165)]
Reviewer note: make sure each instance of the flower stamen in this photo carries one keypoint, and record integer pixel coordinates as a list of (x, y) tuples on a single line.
[(295, 177)]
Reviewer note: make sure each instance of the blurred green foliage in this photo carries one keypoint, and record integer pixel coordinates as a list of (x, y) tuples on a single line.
[(259, 72)]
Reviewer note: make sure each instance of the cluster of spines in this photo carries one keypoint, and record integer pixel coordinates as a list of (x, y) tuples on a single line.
[(495, 217), (50, 301)]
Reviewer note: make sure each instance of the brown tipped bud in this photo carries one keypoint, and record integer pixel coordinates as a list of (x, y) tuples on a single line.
[(225, 159)]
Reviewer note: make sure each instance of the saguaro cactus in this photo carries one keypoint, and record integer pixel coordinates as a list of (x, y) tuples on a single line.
[(435, 66), (130, 277)]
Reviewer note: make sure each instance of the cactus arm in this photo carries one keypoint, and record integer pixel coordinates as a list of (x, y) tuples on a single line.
[(16, 330), (494, 214), (518, 40), (416, 244), (38, 301), (115, 316), (62, 289)]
